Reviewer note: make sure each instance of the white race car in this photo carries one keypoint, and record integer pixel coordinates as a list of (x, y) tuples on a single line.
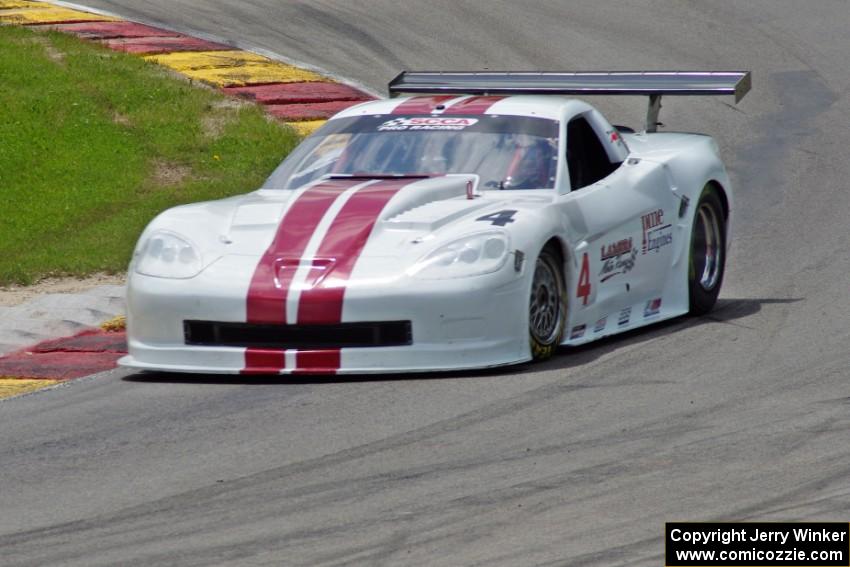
[(482, 222)]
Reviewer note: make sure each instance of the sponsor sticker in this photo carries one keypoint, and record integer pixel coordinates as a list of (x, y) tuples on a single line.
[(577, 332), (600, 325), (616, 138), (656, 234), (653, 307), (427, 123), (624, 317), (617, 258)]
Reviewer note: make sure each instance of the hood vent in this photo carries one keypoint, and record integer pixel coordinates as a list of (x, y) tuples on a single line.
[(432, 216)]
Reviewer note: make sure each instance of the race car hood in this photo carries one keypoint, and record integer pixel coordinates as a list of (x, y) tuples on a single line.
[(300, 251), (357, 216), (337, 223)]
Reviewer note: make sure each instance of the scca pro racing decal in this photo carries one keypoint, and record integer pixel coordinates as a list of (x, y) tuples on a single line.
[(656, 234), (427, 123)]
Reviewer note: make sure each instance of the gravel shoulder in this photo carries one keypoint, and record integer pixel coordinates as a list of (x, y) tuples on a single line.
[(16, 295)]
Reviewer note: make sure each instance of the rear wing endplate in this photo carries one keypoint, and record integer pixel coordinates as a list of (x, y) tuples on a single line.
[(650, 83)]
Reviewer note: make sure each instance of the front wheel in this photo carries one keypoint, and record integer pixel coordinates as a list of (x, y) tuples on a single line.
[(547, 310), (708, 252)]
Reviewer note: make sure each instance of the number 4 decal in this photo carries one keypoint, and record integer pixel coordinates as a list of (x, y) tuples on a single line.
[(584, 289), (499, 219)]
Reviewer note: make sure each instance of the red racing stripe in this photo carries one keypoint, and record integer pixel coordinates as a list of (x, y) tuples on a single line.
[(263, 361), (421, 104), (325, 361), (274, 272), (321, 301), (473, 105), (266, 302)]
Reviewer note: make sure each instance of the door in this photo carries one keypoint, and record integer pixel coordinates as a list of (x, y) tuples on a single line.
[(624, 251)]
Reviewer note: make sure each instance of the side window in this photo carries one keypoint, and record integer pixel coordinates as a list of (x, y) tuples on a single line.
[(587, 160)]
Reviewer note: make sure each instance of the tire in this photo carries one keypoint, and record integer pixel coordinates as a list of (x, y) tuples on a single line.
[(547, 307), (707, 262)]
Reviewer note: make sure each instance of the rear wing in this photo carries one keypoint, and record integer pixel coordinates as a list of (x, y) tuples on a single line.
[(650, 83)]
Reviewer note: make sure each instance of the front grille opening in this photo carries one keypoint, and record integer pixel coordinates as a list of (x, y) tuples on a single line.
[(341, 335)]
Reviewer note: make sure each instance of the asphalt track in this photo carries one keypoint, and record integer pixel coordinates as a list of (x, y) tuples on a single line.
[(743, 415)]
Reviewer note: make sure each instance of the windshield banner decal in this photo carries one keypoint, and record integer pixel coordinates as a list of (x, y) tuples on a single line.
[(427, 123)]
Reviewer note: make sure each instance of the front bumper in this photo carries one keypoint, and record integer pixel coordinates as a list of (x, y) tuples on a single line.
[(457, 324)]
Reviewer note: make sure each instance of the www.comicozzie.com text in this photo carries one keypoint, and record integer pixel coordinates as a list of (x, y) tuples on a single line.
[(744, 534)]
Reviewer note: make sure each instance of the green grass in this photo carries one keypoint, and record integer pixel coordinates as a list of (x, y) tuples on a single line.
[(93, 144)]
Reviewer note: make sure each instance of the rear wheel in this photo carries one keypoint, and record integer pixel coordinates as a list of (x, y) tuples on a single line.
[(547, 308), (708, 252)]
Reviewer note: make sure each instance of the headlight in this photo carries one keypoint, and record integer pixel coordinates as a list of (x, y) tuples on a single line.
[(474, 255), (166, 255)]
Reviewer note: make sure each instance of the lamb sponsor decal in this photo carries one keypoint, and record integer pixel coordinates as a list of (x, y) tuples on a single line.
[(653, 308), (427, 123), (577, 332), (624, 317), (617, 258), (656, 234)]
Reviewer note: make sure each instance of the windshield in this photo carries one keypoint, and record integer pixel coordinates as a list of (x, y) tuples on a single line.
[(507, 152)]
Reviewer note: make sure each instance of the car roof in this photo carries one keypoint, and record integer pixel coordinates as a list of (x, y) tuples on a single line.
[(542, 106)]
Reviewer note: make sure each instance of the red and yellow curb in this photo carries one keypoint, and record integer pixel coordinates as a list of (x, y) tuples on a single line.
[(38, 13), (16, 386), (302, 98), (58, 360)]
